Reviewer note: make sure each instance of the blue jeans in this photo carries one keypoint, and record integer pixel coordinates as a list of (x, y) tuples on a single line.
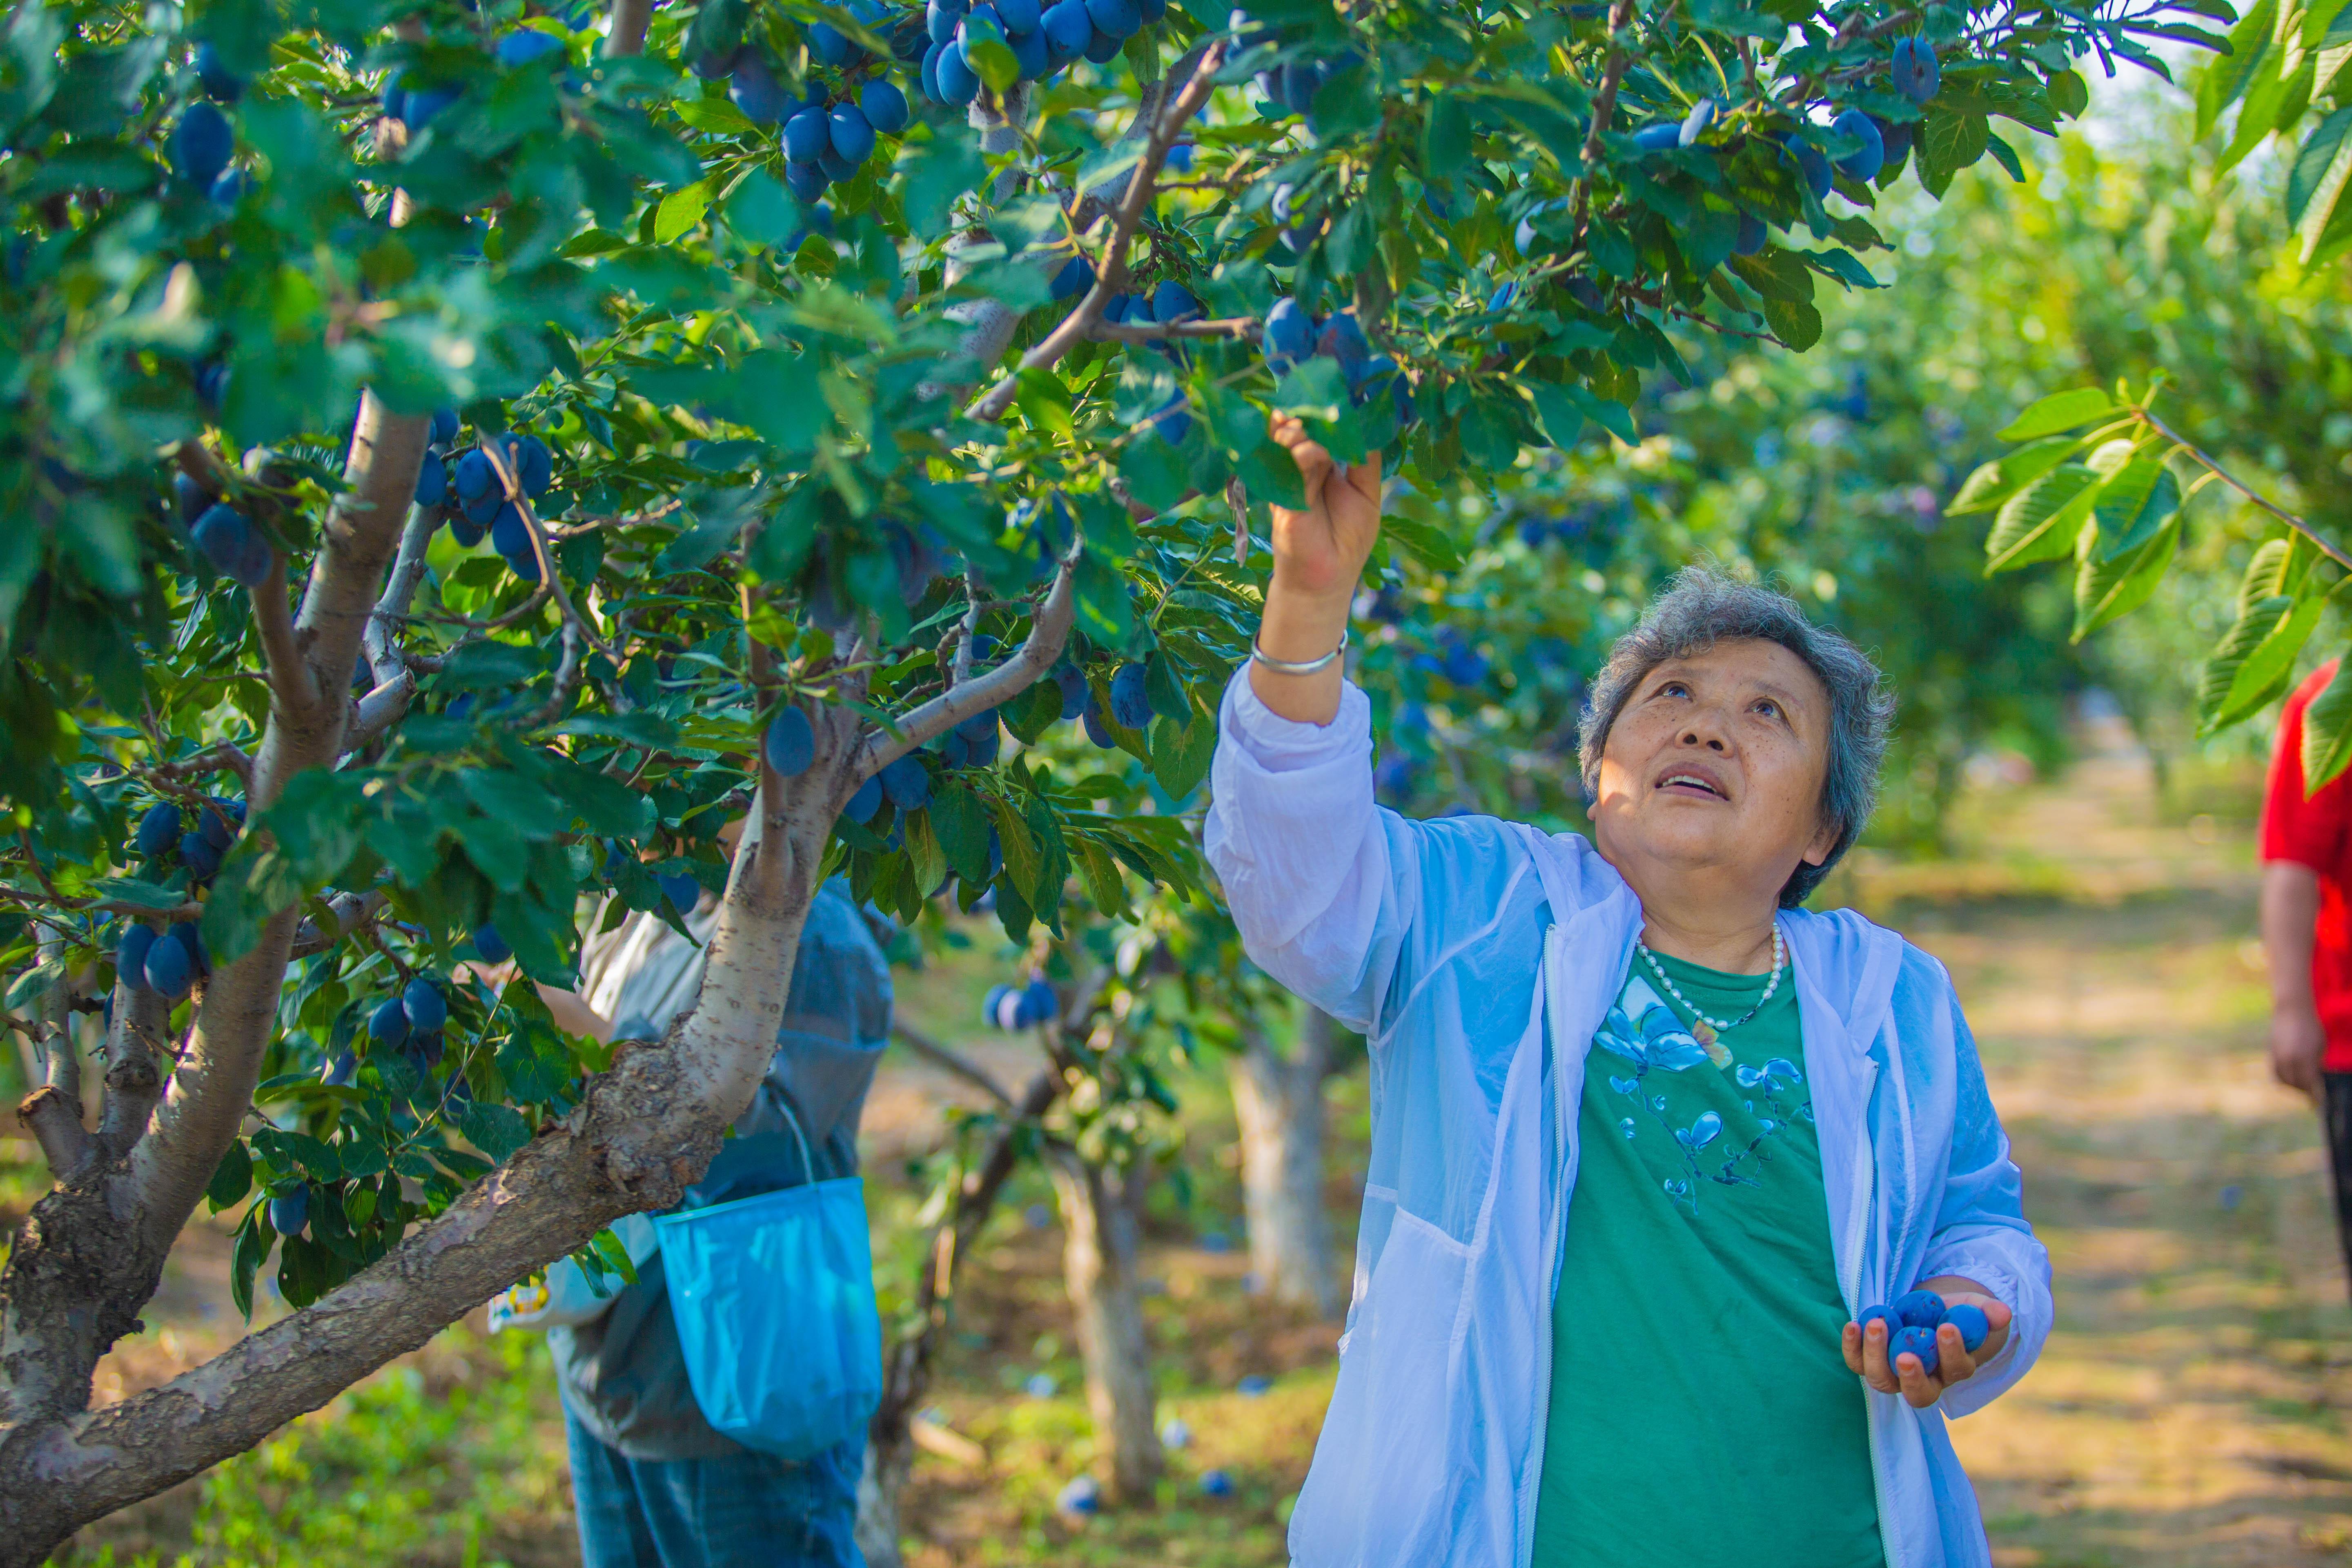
[(744, 1511)]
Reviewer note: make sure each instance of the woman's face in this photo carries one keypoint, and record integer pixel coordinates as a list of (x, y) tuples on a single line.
[(1716, 766)]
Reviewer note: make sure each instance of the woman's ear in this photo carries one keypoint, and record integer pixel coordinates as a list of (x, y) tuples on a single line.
[(1823, 842)]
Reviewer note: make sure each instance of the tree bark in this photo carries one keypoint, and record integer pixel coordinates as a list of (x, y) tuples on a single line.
[(1098, 1269), (1280, 1105)]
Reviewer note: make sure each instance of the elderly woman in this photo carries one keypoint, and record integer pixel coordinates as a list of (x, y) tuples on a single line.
[(1648, 1137)]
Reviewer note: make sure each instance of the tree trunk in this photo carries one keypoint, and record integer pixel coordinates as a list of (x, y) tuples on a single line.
[(1280, 1105), (1098, 1267)]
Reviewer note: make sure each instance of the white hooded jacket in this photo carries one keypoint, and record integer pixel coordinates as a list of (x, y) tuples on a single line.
[(1478, 957)]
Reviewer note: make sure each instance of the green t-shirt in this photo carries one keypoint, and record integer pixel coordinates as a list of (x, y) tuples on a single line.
[(1701, 1410)]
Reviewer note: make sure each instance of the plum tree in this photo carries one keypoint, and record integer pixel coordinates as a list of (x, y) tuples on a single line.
[(735, 466)]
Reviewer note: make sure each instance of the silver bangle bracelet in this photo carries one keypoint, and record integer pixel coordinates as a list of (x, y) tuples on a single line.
[(1298, 667)]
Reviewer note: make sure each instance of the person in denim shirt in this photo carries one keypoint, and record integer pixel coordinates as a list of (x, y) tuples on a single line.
[(655, 1486)]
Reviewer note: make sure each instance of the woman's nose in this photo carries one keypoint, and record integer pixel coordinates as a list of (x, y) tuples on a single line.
[(1700, 737)]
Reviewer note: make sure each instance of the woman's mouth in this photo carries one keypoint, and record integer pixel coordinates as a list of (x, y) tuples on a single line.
[(1693, 781)]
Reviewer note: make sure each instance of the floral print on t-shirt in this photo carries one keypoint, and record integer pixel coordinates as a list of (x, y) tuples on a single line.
[(1668, 1115)]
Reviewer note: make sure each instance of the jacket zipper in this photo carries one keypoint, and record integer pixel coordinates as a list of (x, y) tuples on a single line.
[(1558, 1160), (1889, 1539)]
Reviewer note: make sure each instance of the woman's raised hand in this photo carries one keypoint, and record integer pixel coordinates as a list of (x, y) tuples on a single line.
[(1319, 557), (1320, 552)]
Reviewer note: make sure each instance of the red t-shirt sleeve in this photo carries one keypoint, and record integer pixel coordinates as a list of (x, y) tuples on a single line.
[(2305, 830)]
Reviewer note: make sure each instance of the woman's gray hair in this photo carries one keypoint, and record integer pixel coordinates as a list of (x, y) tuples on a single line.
[(1701, 607)]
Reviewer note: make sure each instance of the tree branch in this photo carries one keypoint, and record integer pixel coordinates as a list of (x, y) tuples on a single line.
[(54, 1118), (1110, 277), (212, 1082), (625, 33), (1049, 632), (951, 1060), (219, 757), (1604, 103), (134, 1078), (2235, 483), (291, 685), (567, 680), (1245, 327), (349, 911), (543, 552)]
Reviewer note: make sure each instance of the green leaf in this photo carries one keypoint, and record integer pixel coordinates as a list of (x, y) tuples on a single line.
[(717, 115), (1269, 472), (497, 1131), (2267, 95), (2041, 521), (1949, 142), (1794, 322), (1021, 857), (959, 823), (680, 211), (2060, 411), (2327, 732), (1563, 406), (1446, 139), (2133, 503), (930, 866), (2006, 156), (1315, 388), (2105, 589), (1155, 470), (1996, 481), (993, 62), (232, 1178), (252, 1251), (1181, 753), (2319, 168), (132, 891), (1425, 540), (2225, 77), (939, 172), (2254, 660)]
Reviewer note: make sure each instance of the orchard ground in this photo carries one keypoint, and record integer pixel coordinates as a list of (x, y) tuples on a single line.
[(2194, 1406)]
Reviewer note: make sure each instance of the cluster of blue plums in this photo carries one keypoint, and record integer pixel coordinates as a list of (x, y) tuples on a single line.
[(168, 962), (411, 1022), (474, 501), (830, 131), (1293, 335), (1020, 1007), (164, 831), (1912, 1321), (1043, 39)]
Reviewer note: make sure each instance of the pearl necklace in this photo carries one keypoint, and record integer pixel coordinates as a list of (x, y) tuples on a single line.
[(1707, 1030)]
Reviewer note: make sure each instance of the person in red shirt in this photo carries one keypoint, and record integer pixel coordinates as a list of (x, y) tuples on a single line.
[(2307, 936)]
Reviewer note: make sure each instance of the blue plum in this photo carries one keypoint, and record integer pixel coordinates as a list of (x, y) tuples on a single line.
[(490, 945), (131, 954), (388, 1025), (906, 782), (790, 743), (159, 828), (1865, 162), (202, 144), (1130, 706), (1914, 1340), (853, 135), (1918, 1309), (289, 1211), (884, 105), (864, 802), (427, 1008), (1970, 1320)]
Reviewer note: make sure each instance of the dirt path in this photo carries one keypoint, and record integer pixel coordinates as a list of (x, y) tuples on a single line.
[(2192, 1407)]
